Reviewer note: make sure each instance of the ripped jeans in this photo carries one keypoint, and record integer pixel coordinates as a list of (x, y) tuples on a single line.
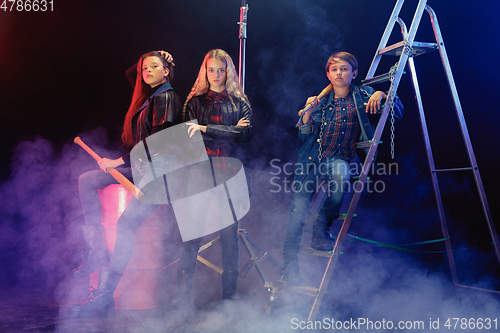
[(336, 172)]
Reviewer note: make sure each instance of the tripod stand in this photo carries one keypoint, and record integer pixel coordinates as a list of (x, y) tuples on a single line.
[(253, 261)]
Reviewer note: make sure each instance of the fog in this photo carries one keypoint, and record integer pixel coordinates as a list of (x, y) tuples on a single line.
[(41, 238)]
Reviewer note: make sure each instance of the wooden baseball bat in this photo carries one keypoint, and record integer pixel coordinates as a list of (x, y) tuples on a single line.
[(113, 172), (322, 94)]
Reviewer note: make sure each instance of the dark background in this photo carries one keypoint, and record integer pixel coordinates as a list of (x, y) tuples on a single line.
[(62, 74)]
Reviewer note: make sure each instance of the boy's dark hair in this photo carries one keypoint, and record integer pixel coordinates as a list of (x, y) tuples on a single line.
[(346, 56)]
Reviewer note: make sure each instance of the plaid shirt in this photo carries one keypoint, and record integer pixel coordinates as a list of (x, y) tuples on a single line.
[(342, 130), (216, 149)]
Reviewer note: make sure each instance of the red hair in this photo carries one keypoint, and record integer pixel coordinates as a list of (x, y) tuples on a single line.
[(141, 93)]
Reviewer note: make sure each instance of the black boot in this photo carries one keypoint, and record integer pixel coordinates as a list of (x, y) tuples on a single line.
[(100, 302), (97, 256), (185, 274), (181, 307), (321, 240), (291, 273), (184, 285), (229, 280)]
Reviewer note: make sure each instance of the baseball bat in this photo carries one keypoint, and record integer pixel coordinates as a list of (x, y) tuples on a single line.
[(322, 94), (113, 172)]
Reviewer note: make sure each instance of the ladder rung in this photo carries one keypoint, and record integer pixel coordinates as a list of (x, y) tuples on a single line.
[(488, 290), (377, 79), (352, 180), (313, 252), (453, 169), (418, 48), (305, 290), (365, 144), (343, 216)]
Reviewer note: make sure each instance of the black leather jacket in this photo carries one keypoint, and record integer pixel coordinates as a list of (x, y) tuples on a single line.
[(231, 136), (161, 110)]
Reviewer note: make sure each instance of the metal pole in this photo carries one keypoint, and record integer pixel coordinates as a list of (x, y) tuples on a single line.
[(243, 39)]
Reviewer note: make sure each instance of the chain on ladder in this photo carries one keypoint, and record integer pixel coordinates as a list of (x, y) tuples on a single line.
[(392, 76), (321, 133), (407, 49)]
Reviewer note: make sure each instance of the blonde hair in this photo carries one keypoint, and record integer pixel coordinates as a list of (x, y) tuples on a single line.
[(202, 85)]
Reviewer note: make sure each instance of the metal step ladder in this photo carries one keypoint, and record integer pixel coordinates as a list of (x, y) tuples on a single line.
[(406, 50)]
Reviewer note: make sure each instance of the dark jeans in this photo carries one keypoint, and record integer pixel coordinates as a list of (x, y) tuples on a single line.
[(202, 178), (230, 248), (337, 172), (230, 251), (135, 213), (88, 184)]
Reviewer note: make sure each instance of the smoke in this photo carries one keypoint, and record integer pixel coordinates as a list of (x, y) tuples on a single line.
[(41, 217), (288, 72), (41, 211), (368, 285)]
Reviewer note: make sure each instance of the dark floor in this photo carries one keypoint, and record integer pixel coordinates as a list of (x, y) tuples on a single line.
[(376, 285), (29, 312), (32, 311)]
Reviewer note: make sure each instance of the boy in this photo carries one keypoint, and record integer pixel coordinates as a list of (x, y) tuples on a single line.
[(329, 131)]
